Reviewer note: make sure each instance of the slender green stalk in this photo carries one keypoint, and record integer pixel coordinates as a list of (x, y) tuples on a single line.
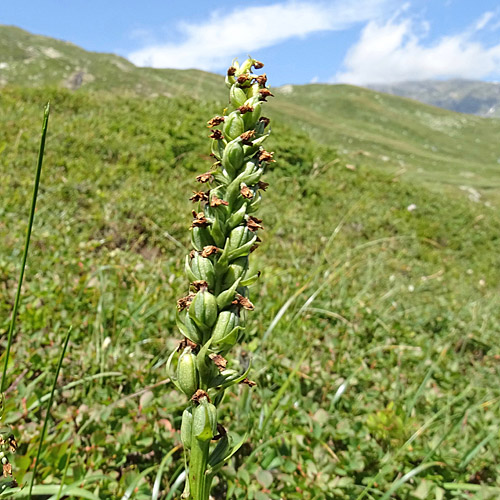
[(47, 415), (212, 316), (26, 245)]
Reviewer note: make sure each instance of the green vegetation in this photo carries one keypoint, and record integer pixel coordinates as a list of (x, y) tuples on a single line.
[(375, 347)]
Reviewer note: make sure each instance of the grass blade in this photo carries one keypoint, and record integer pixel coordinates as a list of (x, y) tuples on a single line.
[(407, 477), (26, 245), (49, 406), (130, 490), (166, 460)]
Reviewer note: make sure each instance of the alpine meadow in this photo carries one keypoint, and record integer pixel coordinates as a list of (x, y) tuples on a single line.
[(369, 366)]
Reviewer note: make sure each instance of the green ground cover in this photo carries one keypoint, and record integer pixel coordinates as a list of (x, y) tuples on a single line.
[(374, 341)]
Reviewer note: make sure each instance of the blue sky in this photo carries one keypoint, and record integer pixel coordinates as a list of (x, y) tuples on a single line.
[(354, 41)]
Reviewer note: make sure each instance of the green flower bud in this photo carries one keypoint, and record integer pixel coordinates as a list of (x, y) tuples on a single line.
[(217, 231), (226, 329), (236, 269), (234, 126), (227, 296), (187, 327), (237, 96), (187, 375), (187, 427), (246, 65), (203, 310), (200, 268), (204, 420), (232, 159), (237, 217), (239, 243), (250, 118), (200, 238), (253, 91)]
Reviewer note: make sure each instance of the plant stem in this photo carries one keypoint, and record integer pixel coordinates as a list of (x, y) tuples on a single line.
[(198, 479), (26, 245)]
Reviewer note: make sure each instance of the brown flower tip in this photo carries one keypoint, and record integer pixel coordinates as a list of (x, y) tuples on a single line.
[(216, 134), (258, 65), (245, 109), (222, 432), (243, 302), (242, 79), (192, 254), (7, 470), (206, 177), (199, 196), (248, 382), (261, 79), (263, 185), (254, 247), (199, 394), (199, 220), (11, 440), (264, 93), (215, 202), (185, 302), (265, 120), (209, 250), (219, 361), (247, 136), (246, 192), (253, 223), (216, 120), (231, 71), (185, 342), (200, 285), (266, 156)]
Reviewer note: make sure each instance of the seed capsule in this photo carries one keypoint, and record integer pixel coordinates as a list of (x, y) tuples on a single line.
[(187, 428), (204, 420), (203, 309), (236, 269), (232, 158), (234, 126), (239, 243), (200, 269), (237, 96), (226, 329), (187, 375), (200, 237)]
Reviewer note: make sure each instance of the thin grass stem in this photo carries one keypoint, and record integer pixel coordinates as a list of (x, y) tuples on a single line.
[(49, 406), (26, 246)]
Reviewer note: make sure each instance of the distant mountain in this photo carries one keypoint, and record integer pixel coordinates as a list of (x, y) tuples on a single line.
[(465, 96)]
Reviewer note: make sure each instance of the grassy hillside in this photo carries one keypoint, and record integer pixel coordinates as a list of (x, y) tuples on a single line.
[(375, 336), (442, 149), (33, 61), (422, 143)]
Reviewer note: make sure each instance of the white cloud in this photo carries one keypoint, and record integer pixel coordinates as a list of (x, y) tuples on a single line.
[(393, 51), (209, 45)]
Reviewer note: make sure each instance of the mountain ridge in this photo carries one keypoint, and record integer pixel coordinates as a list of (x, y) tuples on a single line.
[(461, 95), (426, 144)]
